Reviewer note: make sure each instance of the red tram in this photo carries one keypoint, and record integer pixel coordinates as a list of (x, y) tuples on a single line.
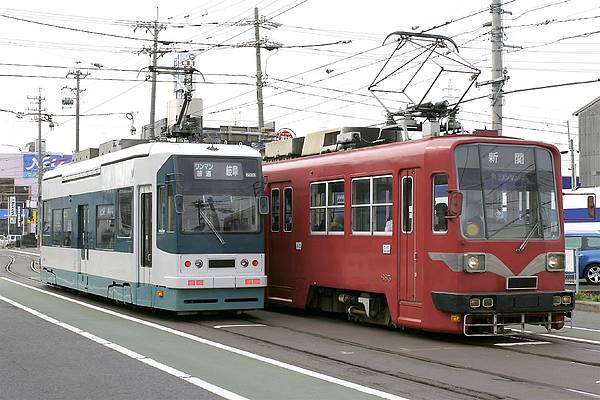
[(455, 233)]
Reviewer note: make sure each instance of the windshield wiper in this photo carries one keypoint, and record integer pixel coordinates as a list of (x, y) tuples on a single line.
[(212, 227), (522, 246)]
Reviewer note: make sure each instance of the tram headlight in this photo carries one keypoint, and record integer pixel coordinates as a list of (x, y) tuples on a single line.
[(487, 302), (566, 300), (245, 263), (474, 262), (556, 300), (198, 263), (474, 302), (555, 262)]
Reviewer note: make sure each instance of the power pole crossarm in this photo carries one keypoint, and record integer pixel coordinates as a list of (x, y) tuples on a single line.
[(78, 75), (154, 28)]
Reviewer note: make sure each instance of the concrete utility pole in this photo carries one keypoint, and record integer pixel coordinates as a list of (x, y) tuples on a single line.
[(259, 82), (154, 28), (78, 75), (497, 68), (38, 99)]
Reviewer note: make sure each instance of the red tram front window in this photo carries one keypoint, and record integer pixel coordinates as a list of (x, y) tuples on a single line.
[(509, 192)]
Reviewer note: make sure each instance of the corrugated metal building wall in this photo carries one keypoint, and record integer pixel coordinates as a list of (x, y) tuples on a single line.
[(589, 143)]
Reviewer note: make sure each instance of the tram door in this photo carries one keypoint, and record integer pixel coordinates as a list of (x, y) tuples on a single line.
[(145, 241), (281, 245), (407, 247), (83, 244)]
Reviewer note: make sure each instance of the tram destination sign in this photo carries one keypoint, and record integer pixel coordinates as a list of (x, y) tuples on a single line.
[(218, 170)]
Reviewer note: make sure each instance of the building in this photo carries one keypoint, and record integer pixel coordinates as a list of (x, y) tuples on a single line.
[(589, 143), (18, 180)]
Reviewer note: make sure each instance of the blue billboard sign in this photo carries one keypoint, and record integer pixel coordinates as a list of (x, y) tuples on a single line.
[(50, 161)]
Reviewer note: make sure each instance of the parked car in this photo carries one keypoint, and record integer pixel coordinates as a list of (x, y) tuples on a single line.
[(588, 245), (3, 241), (13, 240)]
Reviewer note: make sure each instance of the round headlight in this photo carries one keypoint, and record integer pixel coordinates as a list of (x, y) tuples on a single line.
[(198, 263), (553, 261), (244, 263), (473, 262)]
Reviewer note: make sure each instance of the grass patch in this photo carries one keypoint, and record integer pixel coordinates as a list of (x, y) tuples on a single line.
[(588, 296)]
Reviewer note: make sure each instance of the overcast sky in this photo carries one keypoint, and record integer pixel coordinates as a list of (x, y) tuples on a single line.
[(316, 80)]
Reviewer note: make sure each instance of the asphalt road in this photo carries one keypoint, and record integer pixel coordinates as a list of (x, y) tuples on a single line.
[(90, 348)]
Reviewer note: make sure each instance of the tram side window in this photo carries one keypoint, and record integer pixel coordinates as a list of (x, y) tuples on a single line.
[(382, 204), (335, 206), (67, 227), (372, 205), (407, 204), (274, 210), (162, 209), (287, 209), (57, 227), (318, 206), (46, 228), (105, 226), (327, 201), (440, 203), (125, 199)]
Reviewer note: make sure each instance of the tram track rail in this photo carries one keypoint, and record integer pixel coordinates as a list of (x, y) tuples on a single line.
[(12, 259), (453, 389), (413, 378)]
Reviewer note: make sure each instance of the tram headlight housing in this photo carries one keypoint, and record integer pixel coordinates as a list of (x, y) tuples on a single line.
[(244, 263), (198, 263), (555, 262), (474, 262)]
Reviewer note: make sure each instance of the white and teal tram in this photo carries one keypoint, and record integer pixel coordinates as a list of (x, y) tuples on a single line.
[(173, 226)]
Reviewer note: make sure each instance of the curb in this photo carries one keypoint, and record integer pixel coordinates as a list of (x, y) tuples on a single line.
[(589, 306)]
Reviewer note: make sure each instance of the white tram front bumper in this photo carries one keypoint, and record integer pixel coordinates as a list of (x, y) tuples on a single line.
[(222, 271)]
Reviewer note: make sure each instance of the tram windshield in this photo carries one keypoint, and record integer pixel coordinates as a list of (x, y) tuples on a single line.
[(508, 192), (220, 195)]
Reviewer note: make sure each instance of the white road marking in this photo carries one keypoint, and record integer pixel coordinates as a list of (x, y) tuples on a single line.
[(129, 353), (236, 326), (573, 339), (347, 352), (596, 396), (520, 343), (583, 329), (28, 253), (267, 360)]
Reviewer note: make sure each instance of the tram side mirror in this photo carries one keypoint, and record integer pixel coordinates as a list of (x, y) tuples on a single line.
[(455, 200), (591, 206), (179, 203), (263, 205)]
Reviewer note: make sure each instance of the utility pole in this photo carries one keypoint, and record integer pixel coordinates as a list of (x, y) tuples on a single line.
[(78, 75), (572, 152), (497, 68), (154, 28), (38, 99), (259, 82)]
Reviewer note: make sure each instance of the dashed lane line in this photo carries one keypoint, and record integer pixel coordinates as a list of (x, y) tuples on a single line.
[(219, 391), (237, 326), (257, 357)]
